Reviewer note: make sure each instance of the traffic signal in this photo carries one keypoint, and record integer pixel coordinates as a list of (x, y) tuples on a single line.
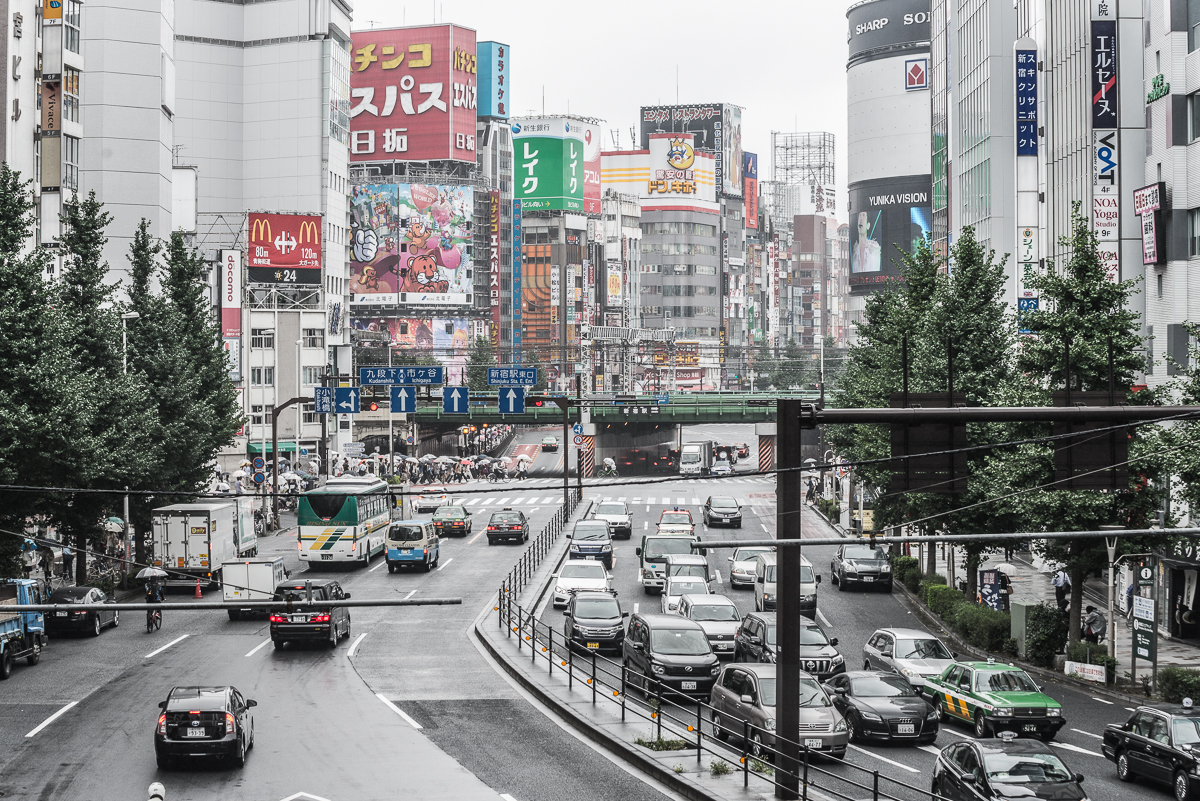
[(485, 425), (372, 406)]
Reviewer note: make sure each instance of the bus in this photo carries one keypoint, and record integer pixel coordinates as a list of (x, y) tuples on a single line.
[(346, 520)]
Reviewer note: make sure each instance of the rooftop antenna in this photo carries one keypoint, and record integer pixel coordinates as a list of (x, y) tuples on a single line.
[(615, 133)]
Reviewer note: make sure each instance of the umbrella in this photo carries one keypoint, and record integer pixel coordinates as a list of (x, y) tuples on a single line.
[(524, 458), (443, 459), (1005, 568), (151, 572), (289, 476), (245, 463), (465, 461), (485, 460), (505, 459), (222, 487), (429, 457), (240, 474), (412, 459)]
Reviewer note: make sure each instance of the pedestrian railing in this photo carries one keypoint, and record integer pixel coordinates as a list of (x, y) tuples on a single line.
[(525, 568), (611, 681)]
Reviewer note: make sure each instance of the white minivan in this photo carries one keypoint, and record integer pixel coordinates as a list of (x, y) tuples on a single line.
[(765, 597)]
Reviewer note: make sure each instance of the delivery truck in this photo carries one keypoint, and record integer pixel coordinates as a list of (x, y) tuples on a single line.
[(251, 579), (695, 458), (22, 634), (193, 540)]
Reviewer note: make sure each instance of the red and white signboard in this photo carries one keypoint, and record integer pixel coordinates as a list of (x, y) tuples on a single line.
[(414, 94), (284, 249), (591, 167), (231, 293)]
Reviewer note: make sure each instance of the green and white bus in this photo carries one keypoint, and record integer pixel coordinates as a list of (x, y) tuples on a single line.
[(343, 521)]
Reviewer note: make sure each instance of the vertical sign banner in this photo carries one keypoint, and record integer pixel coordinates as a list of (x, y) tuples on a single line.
[(233, 352), (1027, 116), (1148, 203), (284, 248), (548, 164), (231, 293), (494, 70), (494, 263), (750, 170), (517, 254), (555, 299), (1026, 119), (1106, 185), (51, 107), (1104, 72), (414, 94), (591, 167)]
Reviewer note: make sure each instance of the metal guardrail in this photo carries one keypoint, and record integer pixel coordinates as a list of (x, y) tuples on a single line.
[(610, 680), (525, 568)]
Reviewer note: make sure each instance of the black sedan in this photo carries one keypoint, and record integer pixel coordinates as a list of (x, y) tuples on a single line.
[(882, 706), (90, 622), (725, 511), (1004, 768), (211, 722), (1160, 743), (507, 524)]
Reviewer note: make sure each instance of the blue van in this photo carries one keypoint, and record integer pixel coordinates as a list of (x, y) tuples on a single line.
[(412, 542)]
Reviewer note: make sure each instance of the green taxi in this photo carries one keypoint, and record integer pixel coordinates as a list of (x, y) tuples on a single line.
[(994, 698)]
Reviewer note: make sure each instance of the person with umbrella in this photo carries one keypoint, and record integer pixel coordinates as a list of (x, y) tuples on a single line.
[(154, 594)]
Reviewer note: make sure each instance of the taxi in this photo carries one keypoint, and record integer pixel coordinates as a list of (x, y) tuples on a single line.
[(994, 697), (452, 519), (676, 521)]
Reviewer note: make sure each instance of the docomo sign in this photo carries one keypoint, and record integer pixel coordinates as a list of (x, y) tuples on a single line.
[(231, 293), (284, 249), (414, 94)]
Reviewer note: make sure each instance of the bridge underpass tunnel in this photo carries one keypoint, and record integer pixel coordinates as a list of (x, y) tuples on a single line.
[(639, 449)]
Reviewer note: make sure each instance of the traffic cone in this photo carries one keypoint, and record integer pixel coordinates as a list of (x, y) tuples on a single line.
[(198, 593)]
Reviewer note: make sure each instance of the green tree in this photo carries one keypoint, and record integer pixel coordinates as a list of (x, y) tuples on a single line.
[(533, 359), (480, 356)]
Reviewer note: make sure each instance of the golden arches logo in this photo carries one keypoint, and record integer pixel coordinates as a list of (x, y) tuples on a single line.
[(260, 230), (310, 232)]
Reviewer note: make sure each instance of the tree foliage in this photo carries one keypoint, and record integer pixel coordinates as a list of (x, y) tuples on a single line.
[(480, 356)]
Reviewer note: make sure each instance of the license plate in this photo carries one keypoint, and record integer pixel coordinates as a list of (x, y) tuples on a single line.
[(406, 552), (906, 728), (811, 743), (298, 618), (688, 685), (724, 646), (1029, 727), (591, 556), (724, 519), (195, 732), (60, 614), (593, 645), (868, 578), (326, 557)]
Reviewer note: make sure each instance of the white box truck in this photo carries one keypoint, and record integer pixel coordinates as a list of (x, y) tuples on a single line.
[(193, 540), (695, 458), (251, 580)]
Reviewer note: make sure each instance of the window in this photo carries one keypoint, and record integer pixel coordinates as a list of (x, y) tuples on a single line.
[(1159, 278), (71, 25), (262, 376), (309, 412), (1193, 23), (70, 156), (70, 88), (1194, 116), (256, 414), (1194, 232), (313, 338), (312, 376), (261, 338)]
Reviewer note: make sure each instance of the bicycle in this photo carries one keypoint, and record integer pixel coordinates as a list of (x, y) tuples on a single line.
[(153, 620), (608, 472), (494, 478)]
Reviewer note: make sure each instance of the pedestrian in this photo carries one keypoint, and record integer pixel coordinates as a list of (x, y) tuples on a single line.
[(47, 557), (1062, 586), (1093, 625), (68, 561), (811, 492), (237, 486), (1006, 590), (1129, 605)]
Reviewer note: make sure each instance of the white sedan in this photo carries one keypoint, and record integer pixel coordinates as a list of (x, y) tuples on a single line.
[(580, 575), (721, 468), (431, 499), (678, 586), (741, 569)]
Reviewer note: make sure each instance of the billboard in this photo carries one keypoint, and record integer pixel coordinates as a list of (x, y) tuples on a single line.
[(494, 69), (410, 244), (887, 23), (548, 164), (717, 128), (1104, 73), (1148, 203), (414, 94), (592, 136), (231, 293), (284, 248), (886, 214), (445, 338), (750, 184), (494, 264)]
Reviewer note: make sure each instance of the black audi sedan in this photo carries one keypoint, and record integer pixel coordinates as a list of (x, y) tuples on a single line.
[(204, 722), (883, 706), (1004, 768), (69, 621)]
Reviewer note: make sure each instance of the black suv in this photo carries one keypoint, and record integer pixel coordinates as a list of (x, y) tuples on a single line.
[(722, 510), (594, 621), (204, 722), (671, 653), (861, 564), (592, 539), (1160, 743), (756, 641), (326, 625), (507, 524)]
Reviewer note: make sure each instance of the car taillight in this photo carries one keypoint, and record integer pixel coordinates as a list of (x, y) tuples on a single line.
[(319, 619), (278, 619), (493, 528), (162, 723), (230, 724)]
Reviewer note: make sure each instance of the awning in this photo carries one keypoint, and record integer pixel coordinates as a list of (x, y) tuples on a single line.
[(287, 446)]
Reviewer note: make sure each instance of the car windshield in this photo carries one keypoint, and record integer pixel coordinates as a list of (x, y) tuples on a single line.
[(687, 588), (605, 608), (658, 548), (864, 552), (921, 649), (812, 635), (675, 519), (748, 554), (882, 687), (610, 509), (1004, 681), (697, 571), (433, 494), (584, 532), (584, 569), (298, 594), (1186, 731), (1025, 768), (451, 512), (720, 463), (510, 517), (715, 612), (806, 574), (679, 642), (811, 694), (726, 503), (404, 533)]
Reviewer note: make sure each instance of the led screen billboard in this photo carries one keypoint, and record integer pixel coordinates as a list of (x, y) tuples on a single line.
[(411, 244), (750, 180), (414, 94), (717, 128), (886, 214), (548, 164), (284, 248)]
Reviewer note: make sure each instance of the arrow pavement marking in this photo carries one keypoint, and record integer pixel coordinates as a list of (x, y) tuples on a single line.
[(303, 797)]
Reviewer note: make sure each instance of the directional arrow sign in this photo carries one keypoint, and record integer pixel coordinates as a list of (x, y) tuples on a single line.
[(577, 428), (323, 400), (404, 399), (455, 400), (345, 400), (512, 400)]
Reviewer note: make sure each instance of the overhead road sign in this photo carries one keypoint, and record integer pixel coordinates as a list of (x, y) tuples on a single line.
[(323, 400), (512, 400), (345, 399), (404, 399), (456, 400), (512, 376), (383, 376)]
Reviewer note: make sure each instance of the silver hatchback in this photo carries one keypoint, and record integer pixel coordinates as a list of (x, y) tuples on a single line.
[(914, 654)]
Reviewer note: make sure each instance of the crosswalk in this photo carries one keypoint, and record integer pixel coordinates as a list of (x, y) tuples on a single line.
[(523, 501), (659, 500), (550, 483)]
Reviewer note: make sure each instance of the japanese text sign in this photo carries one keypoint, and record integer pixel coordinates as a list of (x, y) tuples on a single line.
[(494, 69), (383, 376), (512, 376), (284, 249), (1027, 117), (1103, 67), (548, 164)]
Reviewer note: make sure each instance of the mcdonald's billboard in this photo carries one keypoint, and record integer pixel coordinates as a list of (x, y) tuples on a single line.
[(284, 249)]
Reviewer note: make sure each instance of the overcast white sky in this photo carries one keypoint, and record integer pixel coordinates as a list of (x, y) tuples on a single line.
[(783, 61)]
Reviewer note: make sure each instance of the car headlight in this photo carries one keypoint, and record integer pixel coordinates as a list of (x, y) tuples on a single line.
[(933, 715), (885, 569), (840, 725), (837, 660), (1003, 711), (770, 724), (870, 716), (574, 547), (606, 548), (657, 668), (807, 598), (715, 669), (1054, 712), (739, 571), (850, 568), (766, 596), (912, 674), (560, 590)]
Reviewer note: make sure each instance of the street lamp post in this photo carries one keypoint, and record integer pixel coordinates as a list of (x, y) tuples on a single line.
[(125, 318)]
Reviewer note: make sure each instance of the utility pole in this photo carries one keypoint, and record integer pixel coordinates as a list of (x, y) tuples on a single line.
[(275, 449)]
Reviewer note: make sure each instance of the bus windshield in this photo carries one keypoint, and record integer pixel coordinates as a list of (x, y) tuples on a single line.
[(325, 506)]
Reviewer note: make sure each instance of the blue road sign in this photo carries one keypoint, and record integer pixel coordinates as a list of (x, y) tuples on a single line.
[(259, 478), (456, 400), (512, 376), (577, 428), (404, 399), (382, 376), (304, 451), (259, 463), (323, 400), (512, 400), (345, 400), (662, 398)]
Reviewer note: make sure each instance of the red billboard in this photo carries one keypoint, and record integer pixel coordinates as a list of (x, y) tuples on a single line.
[(284, 249), (413, 94), (591, 167)]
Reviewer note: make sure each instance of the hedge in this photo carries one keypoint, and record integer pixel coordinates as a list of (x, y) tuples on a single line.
[(1045, 634), (1094, 654), (943, 600), (981, 626), (1177, 683)]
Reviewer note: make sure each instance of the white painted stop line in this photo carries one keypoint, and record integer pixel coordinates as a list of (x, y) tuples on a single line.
[(51, 719), (399, 711), (165, 647)]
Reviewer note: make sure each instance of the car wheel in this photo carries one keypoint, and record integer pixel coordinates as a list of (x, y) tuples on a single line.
[(347, 627), (855, 730), (739, 524), (888, 588), (758, 607), (719, 730), (96, 624), (1182, 786), (116, 619), (756, 747), (233, 615), (982, 729), (162, 761), (833, 574), (5, 665), (1123, 771), (391, 568), (36, 656), (840, 581), (367, 556), (278, 644), (866, 664), (333, 636), (239, 756)]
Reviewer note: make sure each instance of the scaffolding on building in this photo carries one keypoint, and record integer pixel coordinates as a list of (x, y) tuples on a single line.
[(802, 158)]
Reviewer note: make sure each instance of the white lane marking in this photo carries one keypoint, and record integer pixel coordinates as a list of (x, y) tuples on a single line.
[(824, 620), (1101, 700), (636, 606), (259, 647), (502, 501), (1130, 709), (646, 523), (955, 733), (1077, 749), (718, 576), (1088, 734), (621, 499), (891, 762), (381, 564), (482, 531), (448, 561), (52, 718), (507, 797), (931, 749), (647, 508), (411, 594), (165, 647), (399, 711), (695, 501), (354, 645), (764, 525)]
